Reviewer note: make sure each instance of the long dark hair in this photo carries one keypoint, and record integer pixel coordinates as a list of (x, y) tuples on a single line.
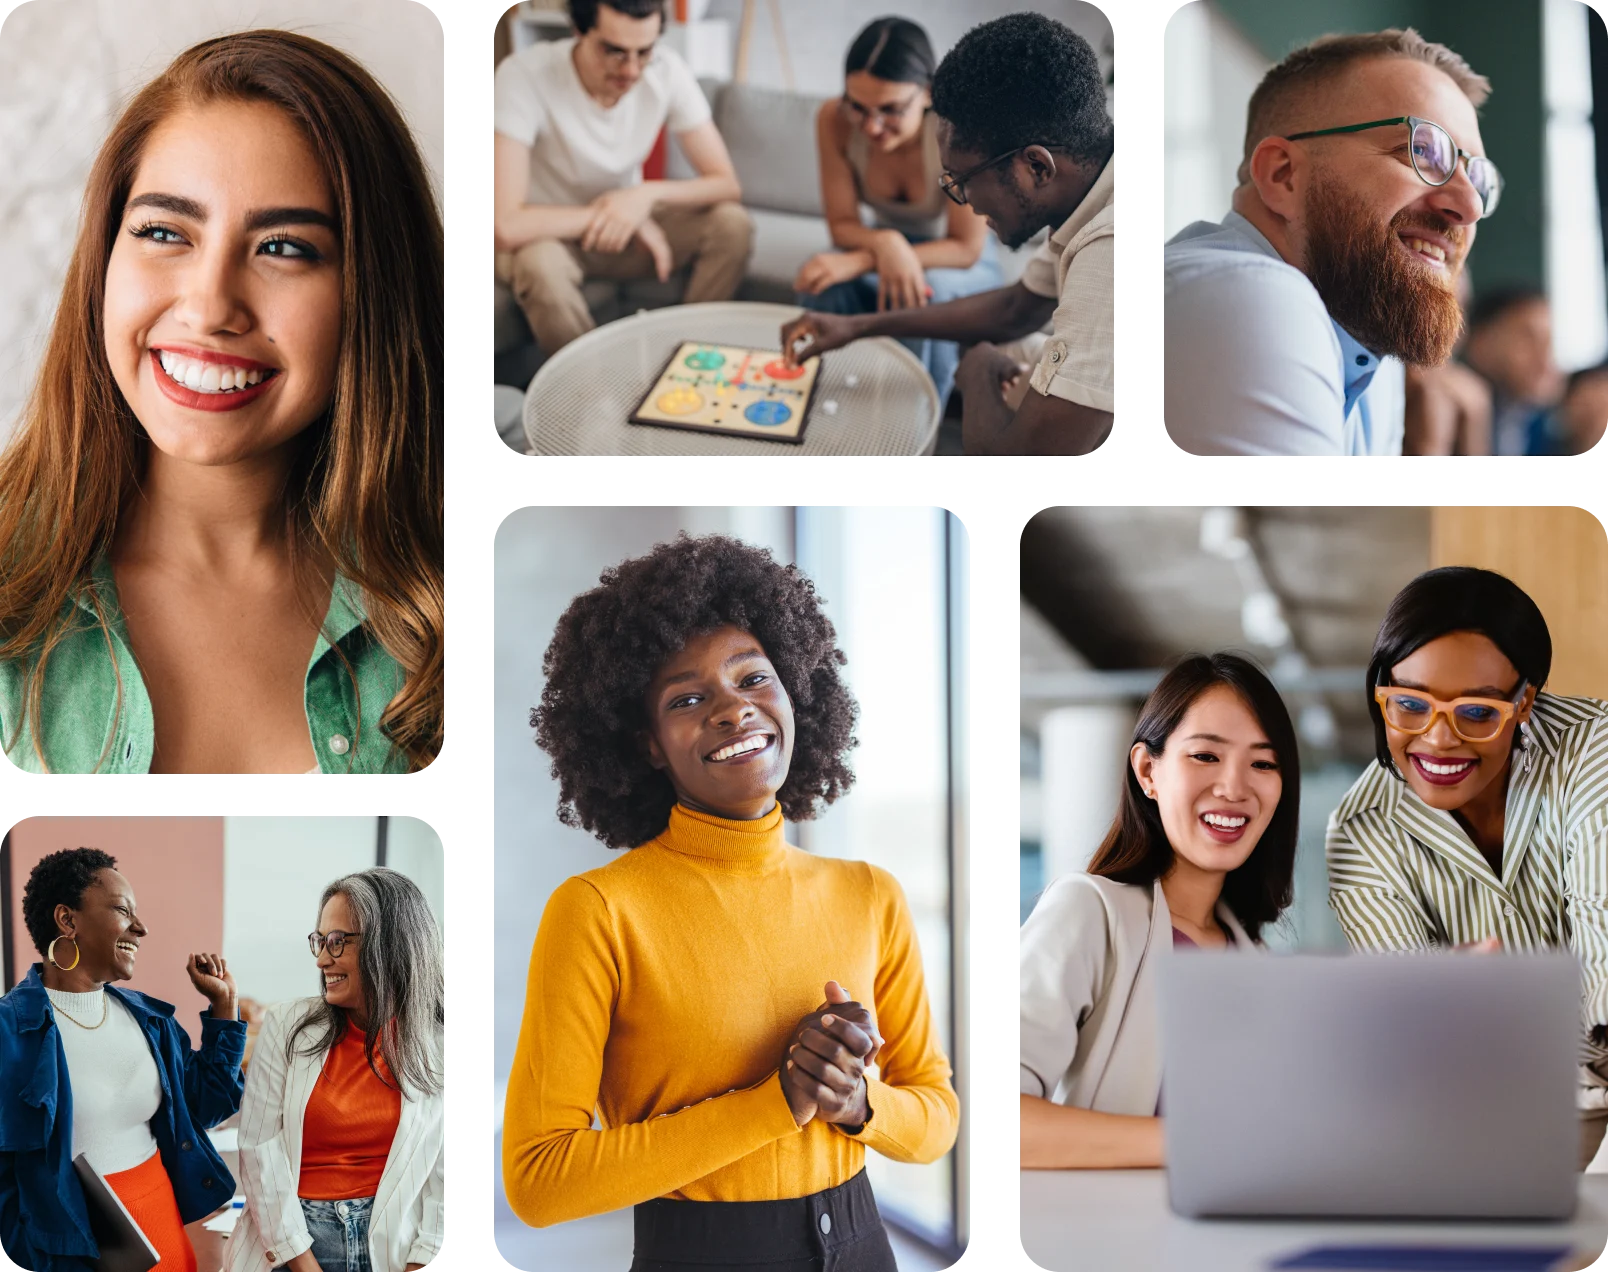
[(399, 961), (1136, 849), (1457, 598), (893, 49)]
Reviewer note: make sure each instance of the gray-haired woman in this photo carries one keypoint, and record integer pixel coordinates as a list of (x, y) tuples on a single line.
[(340, 1132)]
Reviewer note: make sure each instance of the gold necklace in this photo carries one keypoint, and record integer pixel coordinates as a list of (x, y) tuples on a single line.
[(105, 1007)]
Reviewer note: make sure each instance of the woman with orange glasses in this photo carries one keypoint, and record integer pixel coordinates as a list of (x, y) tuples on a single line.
[(1484, 820)]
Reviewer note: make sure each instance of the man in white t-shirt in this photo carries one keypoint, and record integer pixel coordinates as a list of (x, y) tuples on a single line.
[(1025, 138), (575, 120)]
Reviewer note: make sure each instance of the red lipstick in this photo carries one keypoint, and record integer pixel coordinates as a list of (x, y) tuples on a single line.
[(185, 396)]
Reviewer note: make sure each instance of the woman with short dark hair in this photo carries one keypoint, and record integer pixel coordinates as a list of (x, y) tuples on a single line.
[(1483, 820), (1201, 854), (87, 1069), (692, 701)]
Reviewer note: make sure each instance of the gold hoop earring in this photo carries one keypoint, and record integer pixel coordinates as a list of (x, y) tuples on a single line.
[(50, 953)]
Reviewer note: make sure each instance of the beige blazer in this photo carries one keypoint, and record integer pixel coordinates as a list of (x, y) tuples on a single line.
[(405, 1226), (1090, 950)]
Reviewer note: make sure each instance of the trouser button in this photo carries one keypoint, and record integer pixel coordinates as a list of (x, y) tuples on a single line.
[(826, 1225)]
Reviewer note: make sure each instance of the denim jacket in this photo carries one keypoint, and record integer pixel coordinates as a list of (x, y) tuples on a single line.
[(44, 1222)]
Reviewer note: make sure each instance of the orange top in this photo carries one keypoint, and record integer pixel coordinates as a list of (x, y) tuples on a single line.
[(348, 1127)]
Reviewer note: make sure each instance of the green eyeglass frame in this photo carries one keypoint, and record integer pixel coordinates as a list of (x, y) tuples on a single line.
[(1482, 173)]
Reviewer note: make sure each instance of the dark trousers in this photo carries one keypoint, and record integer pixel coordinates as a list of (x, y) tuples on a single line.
[(838, 1230)]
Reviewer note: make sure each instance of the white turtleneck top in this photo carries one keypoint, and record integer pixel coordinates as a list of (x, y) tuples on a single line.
[(116, 1087)]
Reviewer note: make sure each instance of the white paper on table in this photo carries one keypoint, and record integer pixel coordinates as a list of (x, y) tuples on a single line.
[(225, 1223)]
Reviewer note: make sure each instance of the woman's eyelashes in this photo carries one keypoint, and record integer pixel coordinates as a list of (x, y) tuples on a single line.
[(687, 698), (282, 246), (1208, 757)]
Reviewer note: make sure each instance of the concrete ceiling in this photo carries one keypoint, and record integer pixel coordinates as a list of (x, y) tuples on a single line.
[(1132, 588)]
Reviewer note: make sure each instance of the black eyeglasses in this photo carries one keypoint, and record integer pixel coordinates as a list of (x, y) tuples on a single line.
[(951, 185), (888, 114), (334, 942), (617, 57)]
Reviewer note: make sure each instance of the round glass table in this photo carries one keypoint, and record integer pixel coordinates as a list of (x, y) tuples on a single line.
[(873, 397)]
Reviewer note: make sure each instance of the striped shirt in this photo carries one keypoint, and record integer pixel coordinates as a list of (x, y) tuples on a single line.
[(1405, 876)]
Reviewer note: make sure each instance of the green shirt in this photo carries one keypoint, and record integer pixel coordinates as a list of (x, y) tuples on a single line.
[(82, 723)]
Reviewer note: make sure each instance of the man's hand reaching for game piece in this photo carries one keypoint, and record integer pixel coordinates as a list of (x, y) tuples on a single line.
[(617, 215), (810, 335), (651, 235)]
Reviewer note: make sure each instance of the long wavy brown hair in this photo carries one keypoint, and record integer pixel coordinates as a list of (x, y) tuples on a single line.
[(366, 488)]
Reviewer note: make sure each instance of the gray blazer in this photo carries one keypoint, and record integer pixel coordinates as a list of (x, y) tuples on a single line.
[(1090, 950)]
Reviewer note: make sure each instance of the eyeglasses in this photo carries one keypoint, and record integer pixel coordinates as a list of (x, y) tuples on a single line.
[(951, 185), (617, 57), (334, 942), (1434, 155), (1472, 719), (887, 114)]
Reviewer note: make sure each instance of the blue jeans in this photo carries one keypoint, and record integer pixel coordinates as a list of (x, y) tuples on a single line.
[(340, 1231), (940, 357)]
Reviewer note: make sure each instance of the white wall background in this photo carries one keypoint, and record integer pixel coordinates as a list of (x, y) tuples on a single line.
[(274, 871), (67, 67), (818, 33)]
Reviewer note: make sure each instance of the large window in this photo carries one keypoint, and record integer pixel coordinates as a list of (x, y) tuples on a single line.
[(892, 579)]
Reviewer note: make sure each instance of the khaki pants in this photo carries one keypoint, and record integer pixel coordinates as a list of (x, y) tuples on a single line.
[(547, 275), (1592, 1124)]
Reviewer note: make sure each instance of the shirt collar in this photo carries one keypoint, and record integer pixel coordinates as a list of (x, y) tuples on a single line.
[(1091, 205), (1357, 363)]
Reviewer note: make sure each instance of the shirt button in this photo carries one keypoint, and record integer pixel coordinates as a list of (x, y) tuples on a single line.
[(1362, 359), (826, 1224), (207, 1182), (339, 744), (186, 1146), (270, 1256), (1508, 910)]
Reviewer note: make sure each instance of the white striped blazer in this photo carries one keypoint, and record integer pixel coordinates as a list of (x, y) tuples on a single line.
[(405, 1226), (1405, 876)]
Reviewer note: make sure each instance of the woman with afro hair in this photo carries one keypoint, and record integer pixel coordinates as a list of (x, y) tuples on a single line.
[(692, 703)]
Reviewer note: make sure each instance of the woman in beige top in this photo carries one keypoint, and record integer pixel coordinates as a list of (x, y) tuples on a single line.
[(1201, 855), (878, 145)]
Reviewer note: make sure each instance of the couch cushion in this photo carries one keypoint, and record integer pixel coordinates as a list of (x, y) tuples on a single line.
[(782, 243), (771, 136)]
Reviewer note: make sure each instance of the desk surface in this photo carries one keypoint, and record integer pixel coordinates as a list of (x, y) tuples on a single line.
[(883, 400), (1098, 1220)]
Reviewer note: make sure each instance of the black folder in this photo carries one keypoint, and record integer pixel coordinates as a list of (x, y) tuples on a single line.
[(123, 1247)]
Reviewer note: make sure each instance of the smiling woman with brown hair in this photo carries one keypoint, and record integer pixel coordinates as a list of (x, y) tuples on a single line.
[(692, 701), (224, 499)]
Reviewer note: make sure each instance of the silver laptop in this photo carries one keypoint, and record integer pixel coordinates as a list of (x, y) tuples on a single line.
[(1431, 1086)]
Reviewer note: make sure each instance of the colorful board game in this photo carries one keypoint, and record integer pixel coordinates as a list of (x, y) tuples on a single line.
[(709, 388)]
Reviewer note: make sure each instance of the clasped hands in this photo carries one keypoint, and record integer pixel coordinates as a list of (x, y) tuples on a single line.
[(825, 1059)]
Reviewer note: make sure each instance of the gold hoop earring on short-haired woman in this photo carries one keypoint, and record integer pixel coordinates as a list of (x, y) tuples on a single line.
[(50, 953)]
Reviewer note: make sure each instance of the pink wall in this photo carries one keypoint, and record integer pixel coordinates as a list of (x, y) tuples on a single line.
[(174, 865)]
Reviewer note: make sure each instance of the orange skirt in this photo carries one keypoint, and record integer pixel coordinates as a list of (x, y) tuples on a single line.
[(148, 1193)]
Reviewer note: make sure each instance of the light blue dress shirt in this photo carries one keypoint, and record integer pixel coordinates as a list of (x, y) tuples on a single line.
[(1254, 363)]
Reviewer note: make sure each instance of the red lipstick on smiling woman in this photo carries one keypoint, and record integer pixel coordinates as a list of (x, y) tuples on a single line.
[(203, 399), (1461, 766)]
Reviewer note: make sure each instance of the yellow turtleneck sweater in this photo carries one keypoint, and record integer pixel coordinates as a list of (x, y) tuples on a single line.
[(662, 989)]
